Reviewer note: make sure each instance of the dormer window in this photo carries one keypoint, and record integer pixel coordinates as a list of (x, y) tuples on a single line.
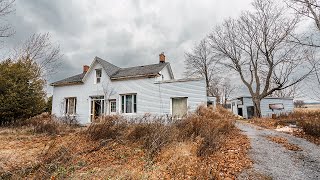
[(98, 76)]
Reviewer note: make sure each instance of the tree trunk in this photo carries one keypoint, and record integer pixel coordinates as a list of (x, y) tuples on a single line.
[(257, 107)]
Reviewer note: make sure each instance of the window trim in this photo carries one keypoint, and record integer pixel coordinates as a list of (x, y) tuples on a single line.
[(67, 104), (110, 106), (96, 77), (123, 100)]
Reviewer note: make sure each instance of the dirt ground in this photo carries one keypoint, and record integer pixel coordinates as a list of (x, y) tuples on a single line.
[(27, 155)]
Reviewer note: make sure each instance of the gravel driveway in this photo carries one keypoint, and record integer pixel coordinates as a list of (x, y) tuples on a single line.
[(273, 161)]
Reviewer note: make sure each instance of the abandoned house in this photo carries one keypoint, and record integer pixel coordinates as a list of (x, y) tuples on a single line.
[(270, 106), (103, 89)]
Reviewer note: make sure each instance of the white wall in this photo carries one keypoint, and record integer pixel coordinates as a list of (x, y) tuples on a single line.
[(152, 97), (165, 73), (265, 110)]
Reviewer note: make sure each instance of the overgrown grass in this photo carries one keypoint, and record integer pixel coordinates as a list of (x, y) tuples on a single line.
[(206, 124), (308, 120), (191, 140), (49, 124)]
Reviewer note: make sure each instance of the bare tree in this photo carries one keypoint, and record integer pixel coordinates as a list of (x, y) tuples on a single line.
[(201, 63), (42, 51), (294, 91), (258, 46), (6, 7), (298, 103), (307, 8), (227, 89), (108, 91)]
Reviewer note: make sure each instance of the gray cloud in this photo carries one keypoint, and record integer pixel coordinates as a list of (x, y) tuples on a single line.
[(126, 33)]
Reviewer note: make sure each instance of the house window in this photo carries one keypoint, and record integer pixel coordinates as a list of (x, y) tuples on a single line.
[(70, 106), (278, 106), (113, 106), (129, 103), (98, 75)]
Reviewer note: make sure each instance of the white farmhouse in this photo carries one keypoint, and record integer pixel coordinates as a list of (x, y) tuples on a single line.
[(103, 88), (243, 106)]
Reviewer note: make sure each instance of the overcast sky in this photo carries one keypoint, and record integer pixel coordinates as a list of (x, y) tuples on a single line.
[(126, 33), (123, 32)]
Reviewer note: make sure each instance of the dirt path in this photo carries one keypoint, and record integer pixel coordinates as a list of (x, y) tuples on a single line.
[(272, 160)]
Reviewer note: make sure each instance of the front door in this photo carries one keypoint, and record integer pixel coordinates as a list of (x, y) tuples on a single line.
[(179, 107), (97, 107)]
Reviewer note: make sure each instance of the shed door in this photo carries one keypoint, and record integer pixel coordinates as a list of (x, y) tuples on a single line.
[(179, 107)]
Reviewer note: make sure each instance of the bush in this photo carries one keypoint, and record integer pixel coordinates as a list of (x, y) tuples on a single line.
[(311, 127), (153, 133), (49, 124), (208, 125), (308, 120), (44, 123), (154, 136), (109, 127)]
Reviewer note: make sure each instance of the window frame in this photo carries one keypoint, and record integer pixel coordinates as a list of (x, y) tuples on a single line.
[(123, 103), (67, 106), (98, 78), (111, 101)]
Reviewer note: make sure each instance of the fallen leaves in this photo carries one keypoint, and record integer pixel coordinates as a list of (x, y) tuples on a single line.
[(284, 142)]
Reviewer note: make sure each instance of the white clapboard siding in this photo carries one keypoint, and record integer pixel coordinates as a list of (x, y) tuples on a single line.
[(152, 97)]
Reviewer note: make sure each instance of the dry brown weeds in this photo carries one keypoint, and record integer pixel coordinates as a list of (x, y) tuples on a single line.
[(126, 155)]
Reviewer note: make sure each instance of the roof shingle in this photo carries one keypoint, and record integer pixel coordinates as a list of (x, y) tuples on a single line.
[(137, 71), (115, 72)]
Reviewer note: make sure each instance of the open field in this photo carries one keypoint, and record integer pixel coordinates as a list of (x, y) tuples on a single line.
[(204, 145)]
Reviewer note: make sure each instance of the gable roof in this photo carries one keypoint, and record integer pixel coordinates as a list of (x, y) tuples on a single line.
[(108, 67), (139, 71), (70, 80), (116, 73)]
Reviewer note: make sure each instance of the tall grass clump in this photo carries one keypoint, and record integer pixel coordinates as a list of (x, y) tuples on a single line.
[(154, 133), (109, 127), (308, 120), (210, 125)]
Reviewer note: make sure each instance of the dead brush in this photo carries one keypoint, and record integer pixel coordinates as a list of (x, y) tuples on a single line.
[(208, 125), (44, 123), (153, 136), (309, 121), (109, 127)]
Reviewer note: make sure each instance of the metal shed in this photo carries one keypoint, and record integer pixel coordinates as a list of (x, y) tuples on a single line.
[(243, 106)]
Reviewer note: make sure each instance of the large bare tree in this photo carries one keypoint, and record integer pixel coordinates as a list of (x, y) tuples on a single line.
[(201, 63), (258, 46)]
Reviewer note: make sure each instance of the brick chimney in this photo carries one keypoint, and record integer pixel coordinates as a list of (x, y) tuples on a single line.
[(162, 58), (85, 68)]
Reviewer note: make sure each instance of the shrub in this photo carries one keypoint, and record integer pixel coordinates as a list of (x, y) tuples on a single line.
[(208, 125), (44, 123), (311, 127), (308, 120), (109, 127), (154, 136)]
